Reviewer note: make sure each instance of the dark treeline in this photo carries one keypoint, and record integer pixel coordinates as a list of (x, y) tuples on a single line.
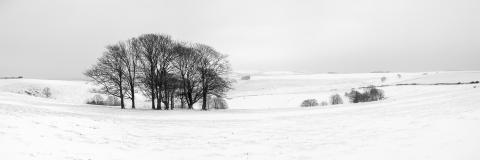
[(163, 70)]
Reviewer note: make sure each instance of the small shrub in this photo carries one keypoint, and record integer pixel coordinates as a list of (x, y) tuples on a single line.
[(32, 92), (336, 99), (219, 103), (112, 101), (399, 76), (324, 103), (247, 77), (309, 103), (96, 100), (383, 79), (214, 102), (46, 92), (374, 94)]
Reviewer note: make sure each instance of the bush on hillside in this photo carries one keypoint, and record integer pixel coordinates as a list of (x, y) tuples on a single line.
[(112, 101), (214, 102), (383, 79), (218, 103), (309, 103), (46, 92), (355, 96), (370, 94), (247, 77), (324, 103), (33, 92), (336, 99), (37, 92), (96, 100), (99, 100)]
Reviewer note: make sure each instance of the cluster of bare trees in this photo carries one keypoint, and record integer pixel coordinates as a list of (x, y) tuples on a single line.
[(163, 70)]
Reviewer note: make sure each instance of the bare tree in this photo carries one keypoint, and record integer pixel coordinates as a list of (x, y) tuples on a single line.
[(213, 68), (109, 73), (186, 65), (151, 48), (130, 60), (164, 75)]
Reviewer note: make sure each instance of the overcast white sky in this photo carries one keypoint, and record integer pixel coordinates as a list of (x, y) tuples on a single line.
[(60, 39)]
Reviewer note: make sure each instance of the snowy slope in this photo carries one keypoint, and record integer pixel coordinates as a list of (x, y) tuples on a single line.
[(415, 122), (446, 77), (62, 91), (289, 90), (70, 92)]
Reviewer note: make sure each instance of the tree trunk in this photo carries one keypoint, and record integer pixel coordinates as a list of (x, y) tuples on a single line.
[(132, 89), (121, 102), (166, 104), (153, 96), (182, 105), (190, 105), (152, 85), (166, 100), (122, 105), (159, 97), (120, 86), (204, 94), (172, 102), (190, 101)]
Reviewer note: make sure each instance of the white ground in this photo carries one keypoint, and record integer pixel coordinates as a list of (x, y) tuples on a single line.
[(264, 122)]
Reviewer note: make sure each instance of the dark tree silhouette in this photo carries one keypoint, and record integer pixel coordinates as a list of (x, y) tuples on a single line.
[(109, 73), (130, 60), (151, 48), (164, 75), (213, 67), (186, 65), (163, 70)]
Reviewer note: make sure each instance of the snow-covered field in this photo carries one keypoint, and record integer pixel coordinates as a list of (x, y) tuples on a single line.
[(264, 121)]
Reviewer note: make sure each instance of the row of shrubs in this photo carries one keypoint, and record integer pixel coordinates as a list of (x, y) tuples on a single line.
[(334, 100), (369, 94), (38, 92)]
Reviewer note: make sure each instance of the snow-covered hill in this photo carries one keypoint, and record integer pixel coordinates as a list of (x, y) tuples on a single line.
[(76, 92), (264, 122)]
